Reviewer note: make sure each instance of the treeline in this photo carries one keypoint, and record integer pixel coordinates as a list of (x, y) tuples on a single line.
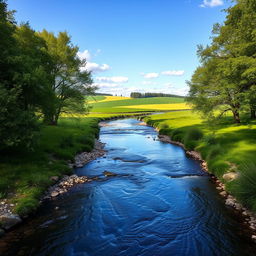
[(226, 79), (152, 94), (40, 77), (102, 94)]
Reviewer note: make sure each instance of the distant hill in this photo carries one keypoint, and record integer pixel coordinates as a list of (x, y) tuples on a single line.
[(102, 94)]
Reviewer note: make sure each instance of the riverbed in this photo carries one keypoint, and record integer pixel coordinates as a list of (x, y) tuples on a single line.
[(155, 201)]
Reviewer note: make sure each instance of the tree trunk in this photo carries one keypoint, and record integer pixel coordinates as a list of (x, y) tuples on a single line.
[(50, 120), (253, 114), (236, 116)]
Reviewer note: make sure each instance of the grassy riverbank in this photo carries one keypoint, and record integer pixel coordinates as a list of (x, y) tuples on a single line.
[(226, 147), (26, 175)]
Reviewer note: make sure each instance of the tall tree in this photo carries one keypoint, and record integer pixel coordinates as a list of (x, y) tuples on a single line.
[(17, 123), (33, 71), (226, 78), (70, 84)]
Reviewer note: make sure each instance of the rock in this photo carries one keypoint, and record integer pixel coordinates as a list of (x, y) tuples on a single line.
[(238, 206), (54, 178), (229, 176), (245, 213), (229, 202), (254, 238), (223, 193), (9, 220), (54, 194), (2, 232), (109, 174)]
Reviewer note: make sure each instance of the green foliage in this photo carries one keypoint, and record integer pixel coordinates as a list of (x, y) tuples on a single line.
[(245, 187), (190, 144), (69, 85), (28, 173), (177, 135), (26, 205), (214, 151), (226, 79), (194, 134)]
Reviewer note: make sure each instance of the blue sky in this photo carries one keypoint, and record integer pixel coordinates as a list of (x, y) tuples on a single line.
[(131, 45)]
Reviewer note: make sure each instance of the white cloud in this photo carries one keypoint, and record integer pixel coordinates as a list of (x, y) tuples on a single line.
[(173, 72), (211, 3), (91, 66), (95, 67), (114, 79), (106, 85), (85, 55), (150, 75)]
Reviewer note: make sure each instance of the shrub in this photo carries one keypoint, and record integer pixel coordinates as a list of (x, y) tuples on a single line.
[(210, 139), (194, 134), (190, 144), (177, 135)]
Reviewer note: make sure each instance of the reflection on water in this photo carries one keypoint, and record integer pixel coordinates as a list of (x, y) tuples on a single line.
[(160, 203)]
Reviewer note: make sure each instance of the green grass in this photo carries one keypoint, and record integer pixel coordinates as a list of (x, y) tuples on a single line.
[(225, 146), (26, 175), (118, 106), (96, 98)]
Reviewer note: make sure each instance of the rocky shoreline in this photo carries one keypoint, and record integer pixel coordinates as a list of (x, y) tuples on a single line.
[(8, 219), (249, 218)]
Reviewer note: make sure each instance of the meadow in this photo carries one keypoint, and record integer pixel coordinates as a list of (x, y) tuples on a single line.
[(112, 104)]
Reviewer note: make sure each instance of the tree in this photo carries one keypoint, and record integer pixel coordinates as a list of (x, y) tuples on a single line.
[(226, 78), (33, 71), (18, 125), (70, 82)]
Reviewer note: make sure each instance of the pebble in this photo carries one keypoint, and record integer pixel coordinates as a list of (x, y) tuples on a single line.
[(223, 193)]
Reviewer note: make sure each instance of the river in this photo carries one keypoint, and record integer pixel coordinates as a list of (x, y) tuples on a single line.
[(159, 203)]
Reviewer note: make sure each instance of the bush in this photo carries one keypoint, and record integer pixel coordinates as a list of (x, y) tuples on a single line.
[(177, 135), (210, 139), (193, 134), (190, 145)]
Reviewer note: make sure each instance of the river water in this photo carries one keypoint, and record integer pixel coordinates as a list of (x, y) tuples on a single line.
[(160, 203)]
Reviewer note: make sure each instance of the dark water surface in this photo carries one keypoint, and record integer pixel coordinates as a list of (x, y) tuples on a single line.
[(160, 203)]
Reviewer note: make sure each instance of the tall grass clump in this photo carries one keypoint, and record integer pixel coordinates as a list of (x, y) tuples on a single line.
[(245, 187), (192, 136)]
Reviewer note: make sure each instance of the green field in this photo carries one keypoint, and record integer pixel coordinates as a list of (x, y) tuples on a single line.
[(225, 146), (122, 106)]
